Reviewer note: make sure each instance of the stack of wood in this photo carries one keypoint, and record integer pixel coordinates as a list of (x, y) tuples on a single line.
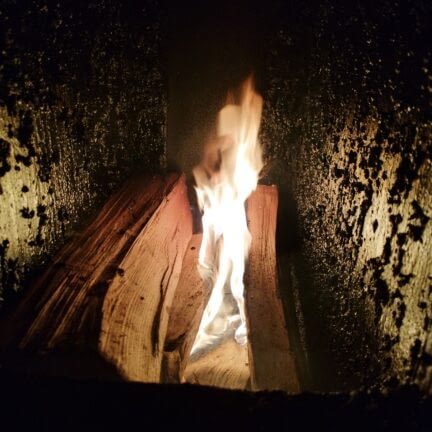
[(123, 300)]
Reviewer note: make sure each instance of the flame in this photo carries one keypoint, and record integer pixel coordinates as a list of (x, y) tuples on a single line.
[(225, 179)]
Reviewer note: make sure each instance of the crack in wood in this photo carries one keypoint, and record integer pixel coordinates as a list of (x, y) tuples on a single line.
[(163, 289)]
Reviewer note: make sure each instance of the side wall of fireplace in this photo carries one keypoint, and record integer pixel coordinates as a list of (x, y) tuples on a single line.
[(348, 119), (82, 106)]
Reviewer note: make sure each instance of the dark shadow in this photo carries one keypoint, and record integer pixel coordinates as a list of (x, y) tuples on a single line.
[(212, 47), (316, 369)]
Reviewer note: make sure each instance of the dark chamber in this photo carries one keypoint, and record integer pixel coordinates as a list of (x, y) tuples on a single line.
[(91, 93)]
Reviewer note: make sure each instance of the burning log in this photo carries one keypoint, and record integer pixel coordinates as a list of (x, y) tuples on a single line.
[(224, 366), (124, 300), (267, 362), (136, 309), (185, 315), (271, 359), (101, 307)]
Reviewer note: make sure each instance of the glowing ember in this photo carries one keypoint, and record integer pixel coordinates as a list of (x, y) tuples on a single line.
[(225, 179)]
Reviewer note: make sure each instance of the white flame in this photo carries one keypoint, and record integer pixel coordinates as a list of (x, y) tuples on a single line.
[(225, 179)]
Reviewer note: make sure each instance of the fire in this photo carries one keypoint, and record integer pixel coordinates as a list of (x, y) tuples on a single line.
[(225, 179)]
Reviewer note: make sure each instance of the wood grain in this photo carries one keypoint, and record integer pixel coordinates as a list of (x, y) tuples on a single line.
[(271, 359), (186, 312), (226, 366), (136, 307)]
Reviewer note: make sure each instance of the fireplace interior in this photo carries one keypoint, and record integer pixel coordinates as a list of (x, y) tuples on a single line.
[(104, 111)]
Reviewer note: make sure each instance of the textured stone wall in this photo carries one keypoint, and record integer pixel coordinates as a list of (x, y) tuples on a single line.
[(348, 116), (82, 105)]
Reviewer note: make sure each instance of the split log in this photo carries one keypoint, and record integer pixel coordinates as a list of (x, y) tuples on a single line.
[(136, 308), (125, 297), (186, 313), (271, 359), (59, 326), (225, 365), (267, 362)]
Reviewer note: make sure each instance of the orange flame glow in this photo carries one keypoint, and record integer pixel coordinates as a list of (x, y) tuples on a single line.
[(225, 179)]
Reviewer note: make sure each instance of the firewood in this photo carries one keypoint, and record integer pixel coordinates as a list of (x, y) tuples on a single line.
[(267, 360), (271, 359), (136, 308), (225, 365), (124, 299), (59, 326), (186, 312)]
